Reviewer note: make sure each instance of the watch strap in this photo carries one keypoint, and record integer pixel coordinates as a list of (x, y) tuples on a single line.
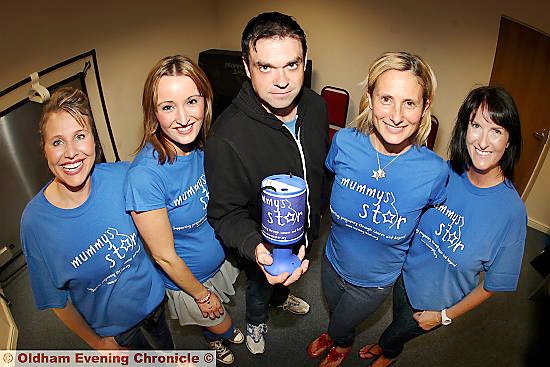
[(445, 320)]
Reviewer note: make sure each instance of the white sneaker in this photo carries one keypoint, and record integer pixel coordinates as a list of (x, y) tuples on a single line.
[(255, 341), (296, 305), (223, 353), (237, 337)]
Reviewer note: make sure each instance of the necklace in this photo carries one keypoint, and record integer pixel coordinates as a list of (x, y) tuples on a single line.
[(380, 173)]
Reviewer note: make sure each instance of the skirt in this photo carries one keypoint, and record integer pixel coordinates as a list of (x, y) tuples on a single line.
[(182, 306)]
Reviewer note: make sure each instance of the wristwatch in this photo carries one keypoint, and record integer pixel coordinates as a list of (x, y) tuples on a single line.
[(445, 320)]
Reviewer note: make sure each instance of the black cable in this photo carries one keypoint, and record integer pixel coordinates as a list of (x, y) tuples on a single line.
[(61, 64), (5, 299)]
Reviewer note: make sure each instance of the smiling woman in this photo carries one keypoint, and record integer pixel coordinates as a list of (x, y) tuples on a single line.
[(83, 254), (167, 195), (485, 233), (370, 233), (180, 111), (69, 149)]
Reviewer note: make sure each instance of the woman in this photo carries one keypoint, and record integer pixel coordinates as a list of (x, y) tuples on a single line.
[(85, 259), (481, 228), (167, 196), (384, 178)]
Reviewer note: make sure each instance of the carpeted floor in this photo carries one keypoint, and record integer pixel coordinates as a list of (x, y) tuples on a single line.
[(508, 330)]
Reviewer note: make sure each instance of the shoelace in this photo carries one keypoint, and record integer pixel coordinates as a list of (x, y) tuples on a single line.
[(290, 302), (257, 331), (219, 347)]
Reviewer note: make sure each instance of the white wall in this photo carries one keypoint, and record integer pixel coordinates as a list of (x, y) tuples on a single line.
[(129, 37), (458, 38)]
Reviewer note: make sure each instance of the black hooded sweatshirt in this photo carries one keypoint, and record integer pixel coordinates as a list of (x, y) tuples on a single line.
[(245, 145)]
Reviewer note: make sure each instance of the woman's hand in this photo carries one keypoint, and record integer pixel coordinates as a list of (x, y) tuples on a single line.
[(427, 320), (211, 307), (108, 343)]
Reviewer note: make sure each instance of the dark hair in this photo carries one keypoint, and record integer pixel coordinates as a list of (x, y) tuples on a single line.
[(267, 25), (500, 107), (177, 65)]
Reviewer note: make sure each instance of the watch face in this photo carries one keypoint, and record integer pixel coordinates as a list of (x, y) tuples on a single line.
[(446, 321)]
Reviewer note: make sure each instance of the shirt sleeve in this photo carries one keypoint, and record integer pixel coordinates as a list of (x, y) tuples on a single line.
[(144, 190), (502, 274), (439, 187), (229, 198)]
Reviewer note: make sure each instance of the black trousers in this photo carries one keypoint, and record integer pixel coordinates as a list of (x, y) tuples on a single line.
[(155, 326), (403, 327), (260, 295)]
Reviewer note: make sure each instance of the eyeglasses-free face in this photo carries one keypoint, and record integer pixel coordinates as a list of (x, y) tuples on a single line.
[(179, 110), (486, 142)]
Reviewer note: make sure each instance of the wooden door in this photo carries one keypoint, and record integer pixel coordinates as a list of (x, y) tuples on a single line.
[(522, 67)]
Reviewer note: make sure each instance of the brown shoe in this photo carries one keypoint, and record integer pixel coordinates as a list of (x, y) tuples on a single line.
[(335, 357), (319, 345)]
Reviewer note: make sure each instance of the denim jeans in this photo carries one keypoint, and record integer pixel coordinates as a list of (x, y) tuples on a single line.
[(403, 327), (348, 304), (155, 326), (260, 295)]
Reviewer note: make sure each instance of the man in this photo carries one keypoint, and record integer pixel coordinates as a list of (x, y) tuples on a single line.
[(273, 126)]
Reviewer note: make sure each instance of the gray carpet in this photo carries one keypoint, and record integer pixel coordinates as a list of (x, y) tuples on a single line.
[(508, 330)]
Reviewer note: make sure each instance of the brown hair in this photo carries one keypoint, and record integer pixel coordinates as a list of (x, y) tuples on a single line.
[(171, 66)]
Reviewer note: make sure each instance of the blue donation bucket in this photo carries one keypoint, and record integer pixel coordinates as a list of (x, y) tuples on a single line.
[(283, 216)]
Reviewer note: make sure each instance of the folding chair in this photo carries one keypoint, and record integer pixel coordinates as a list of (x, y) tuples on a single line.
[(433, 133), (337, 103)]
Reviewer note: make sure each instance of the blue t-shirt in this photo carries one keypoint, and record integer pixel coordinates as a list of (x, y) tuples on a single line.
[(93, 255), (477, 230), (373, 220), (291, 125), (181, 189)]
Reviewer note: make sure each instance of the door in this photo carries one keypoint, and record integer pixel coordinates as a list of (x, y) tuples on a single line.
[(522, 67)]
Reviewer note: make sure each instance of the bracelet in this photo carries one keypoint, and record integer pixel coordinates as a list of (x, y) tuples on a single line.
[(205, 298)]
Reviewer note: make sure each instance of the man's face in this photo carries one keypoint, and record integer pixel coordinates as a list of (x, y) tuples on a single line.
[(276, 68)]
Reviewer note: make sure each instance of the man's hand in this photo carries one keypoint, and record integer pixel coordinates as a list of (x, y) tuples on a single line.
[(263, 257)]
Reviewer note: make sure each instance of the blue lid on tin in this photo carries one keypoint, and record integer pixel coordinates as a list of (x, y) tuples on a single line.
[(285, 185)]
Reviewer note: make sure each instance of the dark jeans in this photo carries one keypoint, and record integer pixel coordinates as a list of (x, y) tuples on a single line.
[(403, 327), (260, 295), (348, 304), (155, 326)]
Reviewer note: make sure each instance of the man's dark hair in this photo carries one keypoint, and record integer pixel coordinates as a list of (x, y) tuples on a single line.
[(267, 25)]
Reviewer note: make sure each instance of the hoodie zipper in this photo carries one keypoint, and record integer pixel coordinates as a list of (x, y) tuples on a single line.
[(303, 161)]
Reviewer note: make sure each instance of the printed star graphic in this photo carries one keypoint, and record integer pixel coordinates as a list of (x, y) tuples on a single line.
[(390, 215), (379, 173), (127, 243), (453, 237), (290, 217)]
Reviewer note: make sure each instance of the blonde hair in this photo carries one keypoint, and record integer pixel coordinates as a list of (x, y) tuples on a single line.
[(172, 66), (400, 61), (70, 100)]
